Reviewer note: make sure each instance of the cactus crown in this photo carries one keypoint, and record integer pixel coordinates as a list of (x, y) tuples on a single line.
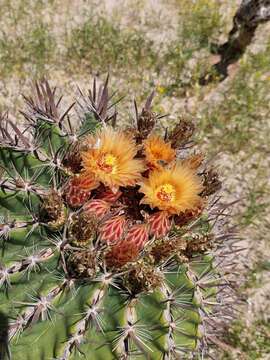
[(110, 236)]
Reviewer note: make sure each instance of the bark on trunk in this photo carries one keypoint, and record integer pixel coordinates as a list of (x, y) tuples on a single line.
[(248, 17)]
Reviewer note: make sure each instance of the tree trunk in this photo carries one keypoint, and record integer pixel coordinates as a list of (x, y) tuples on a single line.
[(248, 17)]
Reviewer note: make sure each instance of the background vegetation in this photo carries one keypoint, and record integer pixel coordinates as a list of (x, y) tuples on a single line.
[(166, 45)]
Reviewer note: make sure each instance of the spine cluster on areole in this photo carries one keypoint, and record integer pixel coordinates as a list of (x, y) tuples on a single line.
[(127, 212)]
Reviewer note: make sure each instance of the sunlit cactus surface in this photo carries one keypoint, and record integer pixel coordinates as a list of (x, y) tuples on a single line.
[(111, 235)]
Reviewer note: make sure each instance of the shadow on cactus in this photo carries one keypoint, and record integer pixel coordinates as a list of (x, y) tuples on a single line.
[(110, 237)]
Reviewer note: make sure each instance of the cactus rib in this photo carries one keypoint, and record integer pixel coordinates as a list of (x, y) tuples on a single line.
[(102, 254)]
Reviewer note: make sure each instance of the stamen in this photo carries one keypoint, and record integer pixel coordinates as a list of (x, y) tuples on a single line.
[(107, 163), (166, 193)]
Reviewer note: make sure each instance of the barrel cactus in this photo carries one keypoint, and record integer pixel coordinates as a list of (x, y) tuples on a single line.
[(110, 235)]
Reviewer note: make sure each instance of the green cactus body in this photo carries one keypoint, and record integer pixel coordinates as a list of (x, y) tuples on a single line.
[(55, 311)]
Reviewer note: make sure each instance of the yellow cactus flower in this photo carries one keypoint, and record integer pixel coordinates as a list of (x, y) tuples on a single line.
[(158, 152), (174, 190), (110, 158)]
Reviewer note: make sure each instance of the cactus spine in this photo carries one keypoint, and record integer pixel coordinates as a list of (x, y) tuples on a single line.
[(110, 238)]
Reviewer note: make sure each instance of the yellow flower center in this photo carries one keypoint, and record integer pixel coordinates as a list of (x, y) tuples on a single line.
[(166, 193), (108, 163)]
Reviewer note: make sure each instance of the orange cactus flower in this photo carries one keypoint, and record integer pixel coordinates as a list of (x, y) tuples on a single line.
[(78, 189), (160, 224), (112, 229), (174, 190), (110, 157), (138, 235), (158, 152), (128, 249), (97, 207), (109, 196)]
